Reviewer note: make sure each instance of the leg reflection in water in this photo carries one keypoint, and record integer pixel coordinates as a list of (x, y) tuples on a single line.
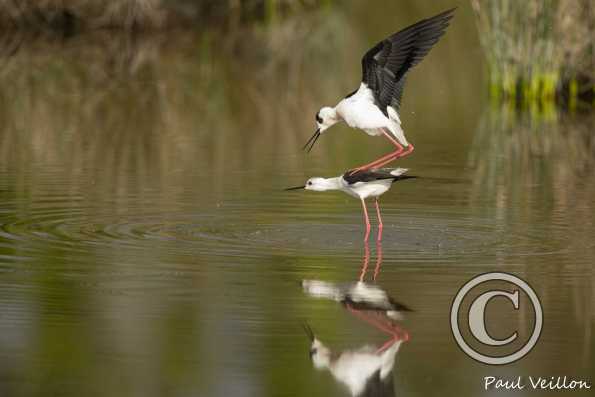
[(366, 370), (366, 261)]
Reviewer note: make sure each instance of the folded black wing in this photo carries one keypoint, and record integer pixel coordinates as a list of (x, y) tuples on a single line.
[(385, 66), (373, 175)]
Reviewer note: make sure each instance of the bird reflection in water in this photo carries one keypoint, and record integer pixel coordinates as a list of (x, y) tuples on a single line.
[(368, 370)]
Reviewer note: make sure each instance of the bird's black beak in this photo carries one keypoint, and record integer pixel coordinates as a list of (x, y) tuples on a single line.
[(312, 140), (309, 332), (295, 188)]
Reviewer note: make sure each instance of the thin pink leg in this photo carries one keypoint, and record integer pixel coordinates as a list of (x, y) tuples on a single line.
[(384, 159), (379, 238), (374, 322), (366, 262), (374, 164), (383, 324), (398, 334), (397, 156), (407, 152), (388, 344), (397, 144), (391, 138), (404, 335), (378, 260), (367, 219)]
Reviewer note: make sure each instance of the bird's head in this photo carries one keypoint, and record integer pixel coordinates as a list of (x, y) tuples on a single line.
[(319, 353), (325, 118), (319, 184)]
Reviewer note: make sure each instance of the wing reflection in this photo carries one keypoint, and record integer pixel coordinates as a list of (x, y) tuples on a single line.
[(367, 370)]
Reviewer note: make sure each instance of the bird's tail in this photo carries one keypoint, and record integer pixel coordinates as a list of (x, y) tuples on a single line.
[(396, 129), (399, 171)]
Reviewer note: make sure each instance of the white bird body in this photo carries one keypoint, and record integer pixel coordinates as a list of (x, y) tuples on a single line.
[(363, 295), (355, 292), (360, 190), (364, 190), (361, 185), (373, 107), (355, 368), (364, 369), (360, 111)]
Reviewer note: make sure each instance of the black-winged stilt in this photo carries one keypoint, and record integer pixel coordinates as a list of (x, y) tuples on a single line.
[(367, 368), (374, 106), (361, 185), (357, 295)]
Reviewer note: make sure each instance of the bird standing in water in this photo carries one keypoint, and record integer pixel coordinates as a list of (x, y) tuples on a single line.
[(374, 106), (365, 371), (361, 185)]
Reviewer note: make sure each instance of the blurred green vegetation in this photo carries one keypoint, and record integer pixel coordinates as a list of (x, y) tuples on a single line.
[(237, 90), (515, 150), (539, 50), (77, 15)]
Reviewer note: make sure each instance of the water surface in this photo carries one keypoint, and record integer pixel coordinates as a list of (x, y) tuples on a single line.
[(147, 247)]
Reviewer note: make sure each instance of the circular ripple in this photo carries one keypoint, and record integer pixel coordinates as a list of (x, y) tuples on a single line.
[(412, 234)]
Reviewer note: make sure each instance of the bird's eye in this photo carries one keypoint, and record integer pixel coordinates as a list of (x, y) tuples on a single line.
[(318, 118), (313, 351), (309, 183)]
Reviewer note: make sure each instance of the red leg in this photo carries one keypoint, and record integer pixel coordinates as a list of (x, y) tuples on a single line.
[(366, 262), (410, 147), (386, 158), (382, 160), (407, 152), (389, 157), (378, 260), (388, 344), (381, 323), (397, 156), (391, 138), (379, 238), (398, 335), (367, 220), (374, 322), (404, 335)]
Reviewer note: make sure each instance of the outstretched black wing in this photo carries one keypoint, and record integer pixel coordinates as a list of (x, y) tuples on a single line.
[(385, 66), (374, 175)]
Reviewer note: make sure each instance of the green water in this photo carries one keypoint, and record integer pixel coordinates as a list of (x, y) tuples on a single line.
[(147, 247)]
